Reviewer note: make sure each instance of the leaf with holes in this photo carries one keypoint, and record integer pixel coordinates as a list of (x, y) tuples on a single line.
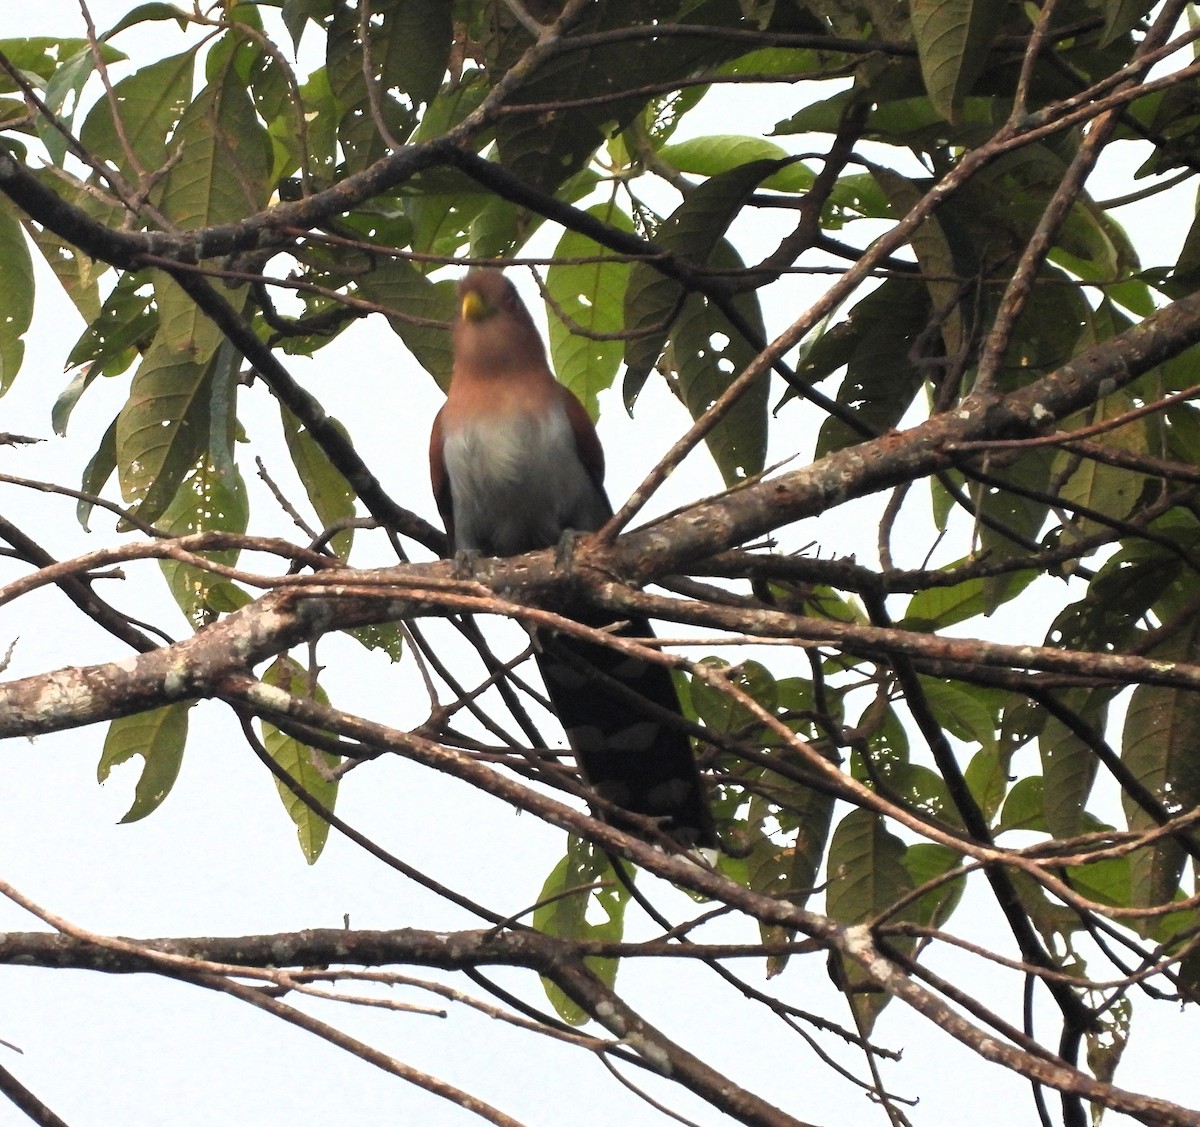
[(591, 295), (158, 737), (583, 880), (310, 768), (692, 231)]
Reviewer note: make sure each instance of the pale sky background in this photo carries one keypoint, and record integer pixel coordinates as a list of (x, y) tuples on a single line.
[(220, 856)]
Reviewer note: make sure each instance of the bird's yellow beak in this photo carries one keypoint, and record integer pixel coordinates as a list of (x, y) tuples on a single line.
[(473, 307)]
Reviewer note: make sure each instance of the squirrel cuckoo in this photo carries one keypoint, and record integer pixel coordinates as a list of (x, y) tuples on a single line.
[(516, 464)]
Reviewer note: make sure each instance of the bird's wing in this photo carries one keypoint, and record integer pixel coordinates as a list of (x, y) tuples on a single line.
[(438, 476)]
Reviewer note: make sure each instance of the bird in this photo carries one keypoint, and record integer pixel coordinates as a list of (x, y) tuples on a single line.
[(516, 466)]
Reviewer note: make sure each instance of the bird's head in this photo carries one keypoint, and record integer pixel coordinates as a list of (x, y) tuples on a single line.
[(494, 330)]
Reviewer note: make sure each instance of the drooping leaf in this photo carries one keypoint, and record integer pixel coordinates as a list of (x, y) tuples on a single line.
[(101, 466), (866, 875), (61, 98), (591, 294), (210, 499), (397, 284), (583, 879), (76, 271), (881, 379), (16, 296), (149, 104), (1097, 485), (953, 39), (1010, 518), (707, 353), (937, 256), (125, 326), (1107, 1041), (1069, 763), (297, 13), (329, 492), (866, 872), (1162, 732), (544, 149), (178, 412), (693, 230), (224, 156), (1121, 16), (309, 767), (158, 737), (927, 861), (409, 43)]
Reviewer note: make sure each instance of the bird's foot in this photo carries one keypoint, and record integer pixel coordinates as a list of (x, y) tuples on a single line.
[(464, 563), (564, 551)]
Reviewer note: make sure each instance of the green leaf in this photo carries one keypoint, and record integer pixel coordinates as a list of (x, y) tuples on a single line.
[(881, 381), (393, 62), (966, 713), (762, 863), (707, 353), (329, 492), (398, 284), (297, 13), (1109, 489), (1106, 881), (150, 104), (16, 296), (1107, 1040), (913, 122), (867, 876), (385, 636), (545, 148), (936, 256), (76, 272), (1024, 809), (158, 737), (1162, 732), (182, 326), (148, 13), (123, 328), (61, 98), (100, 468), (987, 778), (1120, 17), (865, 870), (926, 861), (720, 711), (953, 39), (41, 56), (922, 789), (178, 411), (566, 916), (592, 295), (693, 231), (1068, 763), (308, 766), (211, 499), (225, 157), (714, 155), (935, 608), (1011, 514)]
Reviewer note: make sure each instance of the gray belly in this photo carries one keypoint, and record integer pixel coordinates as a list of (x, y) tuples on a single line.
[(518, 484)]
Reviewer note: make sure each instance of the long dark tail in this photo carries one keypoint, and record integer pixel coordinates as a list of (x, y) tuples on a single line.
[(616, 712)]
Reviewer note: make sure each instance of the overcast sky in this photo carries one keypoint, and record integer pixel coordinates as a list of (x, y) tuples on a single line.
[(220, 856)]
